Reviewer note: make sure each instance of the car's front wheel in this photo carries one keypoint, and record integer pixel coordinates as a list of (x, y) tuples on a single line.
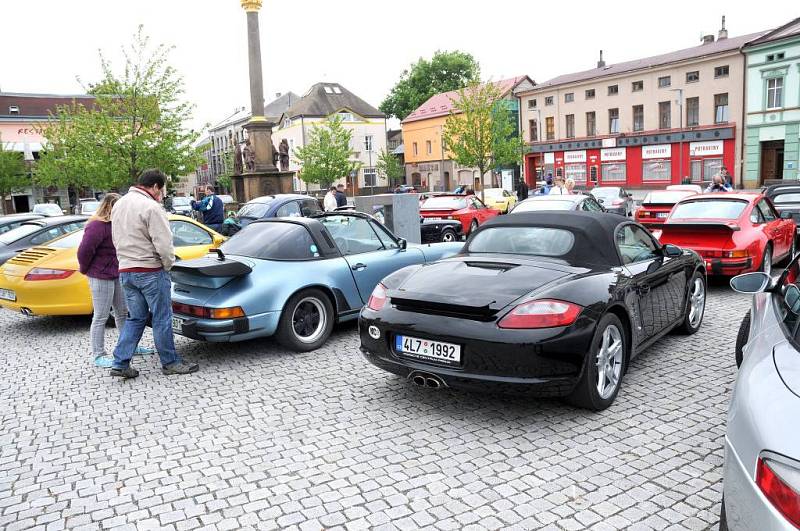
[(306, 321), (449, 235), (603, 367), (473, 226), (766, 260), (695, 305), (741, 338)]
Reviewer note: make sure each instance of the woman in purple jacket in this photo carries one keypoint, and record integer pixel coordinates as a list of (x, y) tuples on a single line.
[(98, 261)]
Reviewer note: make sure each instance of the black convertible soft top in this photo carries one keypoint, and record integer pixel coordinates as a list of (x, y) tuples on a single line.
[(595, 240)]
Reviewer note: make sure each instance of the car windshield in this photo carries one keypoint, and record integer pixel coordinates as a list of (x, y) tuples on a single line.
[(665, 197), (180, 201), (272, 241), (537, 241), (786, 198), (606, 193), (537, 206), (18, 233), (89, 206), (255, 210), (445, 203), (69, 241), (709, 209)]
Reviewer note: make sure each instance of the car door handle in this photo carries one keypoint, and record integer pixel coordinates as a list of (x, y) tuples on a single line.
[(358, 267)]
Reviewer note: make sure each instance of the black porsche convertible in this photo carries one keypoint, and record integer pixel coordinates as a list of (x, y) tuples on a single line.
[(545, 303)]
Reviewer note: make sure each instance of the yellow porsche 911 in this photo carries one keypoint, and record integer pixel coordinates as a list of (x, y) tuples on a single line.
[(499, 199), (46, 281)]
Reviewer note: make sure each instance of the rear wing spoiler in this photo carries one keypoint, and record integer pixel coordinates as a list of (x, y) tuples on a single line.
[(208, 272), (699, 225)]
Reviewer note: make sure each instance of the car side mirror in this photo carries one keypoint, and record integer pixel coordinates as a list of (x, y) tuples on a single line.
[(601, 201), (672, 251), (402, 243), (751, 282), (786, 215)]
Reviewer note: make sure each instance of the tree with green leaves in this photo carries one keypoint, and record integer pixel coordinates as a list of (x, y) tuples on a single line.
[(480, 132), (444, 72), (327, 154), (13, 174), (390, 168), (138, 121)]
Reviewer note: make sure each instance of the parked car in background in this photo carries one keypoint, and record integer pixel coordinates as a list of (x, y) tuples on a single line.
[(543, 303), (278, 206), (440, 230), (657, 205), (615, 199), (467, 209), (12, 221), (761, 472), (253, 288), (786, 198), (36, 232), (227, 199), (694, 188), (574, 202), (45, 280), (499, 198), (87, 207), (181, 205), (733, 232), (47, 209), (405, 189)]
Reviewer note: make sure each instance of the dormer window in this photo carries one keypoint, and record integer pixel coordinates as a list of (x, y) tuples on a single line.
[(287, 122), (337, 89), (328, 90), (347, 117), (13, 109)]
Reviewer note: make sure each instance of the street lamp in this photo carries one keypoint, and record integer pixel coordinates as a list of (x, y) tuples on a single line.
[(679, 101)]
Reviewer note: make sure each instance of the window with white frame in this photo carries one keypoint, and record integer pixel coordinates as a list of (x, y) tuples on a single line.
[(548, 100), (576, 171), (721, 108), (346, 116), (370, 176), (532, 103), (774, 93), (368, 143), (613, 172), (656, 170), (722, 71)]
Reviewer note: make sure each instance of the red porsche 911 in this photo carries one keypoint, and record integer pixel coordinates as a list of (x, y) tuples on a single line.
[(733, 232), (467, 209)]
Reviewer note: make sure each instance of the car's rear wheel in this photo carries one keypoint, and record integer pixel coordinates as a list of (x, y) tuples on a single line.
[(695, 305), (792, 252), (306, 321), (449, 235), (742, 337), (473, 226), (766, 260), (603, 367)]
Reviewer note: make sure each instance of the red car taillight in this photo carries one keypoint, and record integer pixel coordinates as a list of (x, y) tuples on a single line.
[(377, 299), (41, 273), (780, 483), (543, 313), (208, 313)]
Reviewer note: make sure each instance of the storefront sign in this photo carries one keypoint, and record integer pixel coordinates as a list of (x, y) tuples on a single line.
[(609, 142), (550, 158), (659, 151), (574, 156), (428, 167), (612, 154), (698, 149)]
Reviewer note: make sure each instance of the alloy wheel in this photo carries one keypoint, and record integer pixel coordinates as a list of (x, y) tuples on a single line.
[(309, 320), (473, 226), (766, 265), (697, 302), (609, 362), (449, 236)]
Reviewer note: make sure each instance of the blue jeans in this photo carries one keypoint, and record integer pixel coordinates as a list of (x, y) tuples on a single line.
[(146, 294)]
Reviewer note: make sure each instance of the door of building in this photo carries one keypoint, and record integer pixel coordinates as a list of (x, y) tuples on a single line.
[(21, 203), (771, 160)]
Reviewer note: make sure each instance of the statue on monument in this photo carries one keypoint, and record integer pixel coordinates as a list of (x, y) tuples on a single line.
[(284, 154), (275, 155), (237, 159), (249, 155)]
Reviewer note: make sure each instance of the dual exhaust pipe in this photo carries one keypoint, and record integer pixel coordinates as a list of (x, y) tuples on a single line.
[(26, 312), (424, 379)]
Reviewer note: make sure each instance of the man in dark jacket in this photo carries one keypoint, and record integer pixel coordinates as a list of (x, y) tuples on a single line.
[(341, 199), (522, 190), (212, 208)]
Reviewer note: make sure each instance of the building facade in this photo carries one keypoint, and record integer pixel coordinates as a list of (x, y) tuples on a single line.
[(366, 124), (773, 106), (645, 123), (429, 165)]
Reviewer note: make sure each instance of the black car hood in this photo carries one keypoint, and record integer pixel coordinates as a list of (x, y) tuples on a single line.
[(488, 283)]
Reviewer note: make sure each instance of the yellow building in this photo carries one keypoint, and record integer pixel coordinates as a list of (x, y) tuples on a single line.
[(429, 165)]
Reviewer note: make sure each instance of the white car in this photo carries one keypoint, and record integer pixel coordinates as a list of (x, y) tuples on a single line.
[(47, 209)]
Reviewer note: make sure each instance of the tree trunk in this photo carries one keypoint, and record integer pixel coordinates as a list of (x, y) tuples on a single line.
[(4, 203)]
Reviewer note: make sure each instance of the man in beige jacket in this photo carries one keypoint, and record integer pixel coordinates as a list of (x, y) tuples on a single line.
[(143, 239)]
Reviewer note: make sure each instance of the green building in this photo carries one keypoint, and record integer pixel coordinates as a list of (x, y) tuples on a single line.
[(772, 106)]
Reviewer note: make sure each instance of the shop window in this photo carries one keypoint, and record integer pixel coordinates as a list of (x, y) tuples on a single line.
[(550, 127), (533, 130), (720, 108), (591, 124), (664, 81), (711, 167), (638, 117), (614, 172), (576, 171), (693, 77), (696, 170), (656, 170), (613, 90), (613, 121), (589, 94), (548, 100), (664, 115), (570, 118), (593, 174), (774, 93), (721, 71), (692, 112), (637, 86)]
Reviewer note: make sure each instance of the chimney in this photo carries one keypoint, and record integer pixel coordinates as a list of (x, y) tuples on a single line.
[(708, 39), (723, 33), (601, 63), (277, 95)]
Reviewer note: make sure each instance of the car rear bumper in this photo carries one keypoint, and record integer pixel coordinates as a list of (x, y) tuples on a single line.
[(728, 266), (544, 362), (70, 296), (228, 330)]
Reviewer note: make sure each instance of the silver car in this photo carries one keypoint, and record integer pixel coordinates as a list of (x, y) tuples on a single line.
[(762, 446)]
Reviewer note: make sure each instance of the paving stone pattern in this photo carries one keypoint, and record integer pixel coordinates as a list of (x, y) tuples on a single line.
[(268, 439)]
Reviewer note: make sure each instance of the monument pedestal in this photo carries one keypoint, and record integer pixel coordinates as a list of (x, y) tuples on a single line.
[(255, 184)]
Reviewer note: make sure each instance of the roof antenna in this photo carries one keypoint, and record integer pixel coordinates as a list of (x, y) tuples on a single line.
[(601, 63)]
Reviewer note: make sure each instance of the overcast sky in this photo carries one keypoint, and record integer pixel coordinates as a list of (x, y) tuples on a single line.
[(362, 44)]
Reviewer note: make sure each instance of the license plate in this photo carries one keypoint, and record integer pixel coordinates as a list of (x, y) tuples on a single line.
[(427, 350), (8, 295), (435, 218), (662, 215), (177, 324)]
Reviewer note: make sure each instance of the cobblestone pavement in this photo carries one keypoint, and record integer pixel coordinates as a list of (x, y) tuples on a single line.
[(268, 439)]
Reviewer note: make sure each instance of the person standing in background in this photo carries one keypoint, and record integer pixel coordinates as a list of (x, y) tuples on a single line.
[(329, 203), (212, 209), (341, 199)]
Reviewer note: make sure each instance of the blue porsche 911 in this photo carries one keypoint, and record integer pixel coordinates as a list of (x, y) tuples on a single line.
[(291, 277)]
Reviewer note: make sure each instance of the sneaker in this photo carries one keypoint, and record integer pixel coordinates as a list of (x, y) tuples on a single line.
[(104, 362), (180, 367), (127, 372), (143, 351)]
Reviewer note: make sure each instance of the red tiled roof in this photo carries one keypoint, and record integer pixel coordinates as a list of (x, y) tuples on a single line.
[(38, 105), (441, 104)]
